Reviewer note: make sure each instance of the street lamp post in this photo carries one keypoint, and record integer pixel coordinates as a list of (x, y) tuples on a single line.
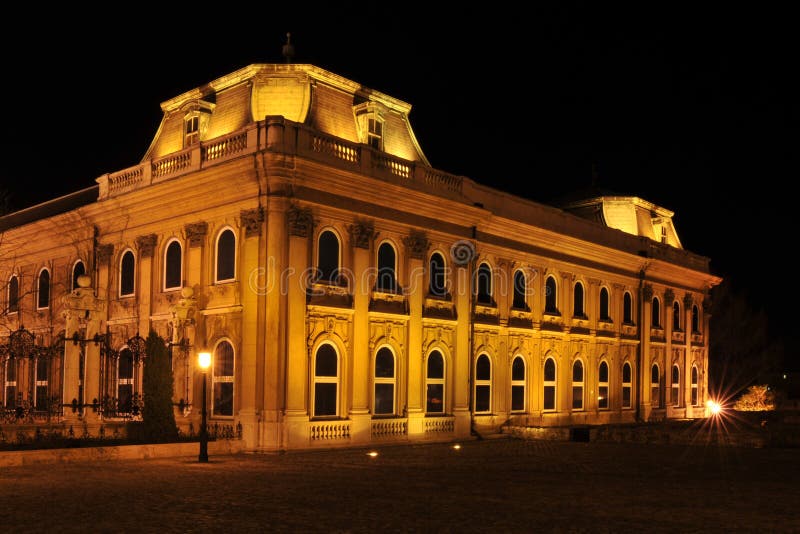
[(204, 360)]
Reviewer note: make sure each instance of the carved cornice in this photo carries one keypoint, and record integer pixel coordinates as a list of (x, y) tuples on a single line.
[(688, 300), (647, 292), (669, 297), (568, 276), (251, 220), (104, 253), (417, 244), (362, 233), (146, 245), (196, 233), (594, 281), (301, 221)]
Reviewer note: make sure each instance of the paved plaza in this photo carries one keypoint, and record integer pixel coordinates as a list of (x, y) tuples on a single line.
[(504, 485)]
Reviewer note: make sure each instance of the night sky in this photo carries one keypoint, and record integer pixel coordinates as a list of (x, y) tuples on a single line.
[(692, 108)]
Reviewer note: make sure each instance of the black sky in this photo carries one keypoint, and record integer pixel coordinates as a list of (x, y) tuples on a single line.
[(693, 108)]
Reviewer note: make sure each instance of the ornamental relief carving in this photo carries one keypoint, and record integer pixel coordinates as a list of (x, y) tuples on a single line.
[(386, 332), (223, 325), (196, 233), (251, 220), (104, 253), (417, 244), (146, 244), (337, 325), (362, 233), (437, 335), (301, 221)]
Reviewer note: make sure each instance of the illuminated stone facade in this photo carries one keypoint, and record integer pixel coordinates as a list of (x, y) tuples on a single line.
[(286, 219)]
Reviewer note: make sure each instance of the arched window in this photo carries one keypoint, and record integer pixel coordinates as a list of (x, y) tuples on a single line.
[(520, 291), (328, 257), (518, 385), (226, 256), (577, 385), (656, 313), (695, 389), (626, 385), (604, 307), (43, 290), (602, 386), (125, 381), (627, 308), (79, 269), (42, 381), (676, 316), (384, 382), (550, 294), (577, 300), (695, 319), (173, 266), (10, 393), (549, 401), (483, 284), (127, 274), (676, 385), (655, 391), (13, 294), (326, 382), (387, 269), (483, 384), (434, 383), (436, 273), (222, 380)]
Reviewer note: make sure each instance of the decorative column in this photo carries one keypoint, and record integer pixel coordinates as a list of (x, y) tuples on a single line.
[(646, 298), (362, 234), (686, 363), (459, 373), (417, 245), (146, 245), (272, 357), (83, 313), (182, 325)]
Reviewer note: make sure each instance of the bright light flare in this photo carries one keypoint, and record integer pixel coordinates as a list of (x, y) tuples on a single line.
[(714, 407), (204, 360), (372, 454), (456, 447)]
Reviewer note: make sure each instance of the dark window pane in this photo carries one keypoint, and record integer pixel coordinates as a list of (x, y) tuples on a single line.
[(11, 370), (518, 369), (517, 398), (694, 376), (327, 361), (41, 397), (577, 397), (386, 268), (44, 289), (482, 398), (223, 359), (435, 398), (435, 365), (627, 312), (437, 275), (694, 395), (226, 256), (13, 294), (549, 370), (125, 365), (483, 369), (384, 399), (695, 319), (626, 373), (654, 396), (328, 257), (578, 300), (654, 375), (676, 400), (656, 312), (549, 398), (127, 270), (384, 364), (604, 314), (603, 372), (577, 372), (223, 398), (676, 374), (550, 295), (676, 316), (484, 284), (602, 402), (520, 291), (41, 369), (172, 270), (124, 398), (78, 270), (626, 397)]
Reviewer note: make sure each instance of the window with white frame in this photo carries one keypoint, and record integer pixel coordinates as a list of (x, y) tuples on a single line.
[(627, 376), (695, 319), (520, 291), (676, 385), (577, 300), (41, 398), (191, 129), (483, 284), (222, 380), (173, 266), (518, 385), (12, 296), (676, 316), (602, 386), (384, 382), (326, 381), (656, 313), (127, 274), (10, 386), (695, 387), (43, 290), (550, 294), (604, 305), (226, 256), (483, 384), (435, 384), (655, 386), (627, 308), (387, 268), (328, 257), (577, 385), (125, 381), (549, 397), (375, 133), (437, 280)]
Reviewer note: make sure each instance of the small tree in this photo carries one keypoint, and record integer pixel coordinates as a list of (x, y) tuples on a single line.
[(158, 417), (758, 398)]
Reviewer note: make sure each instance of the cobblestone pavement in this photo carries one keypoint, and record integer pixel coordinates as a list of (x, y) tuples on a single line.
[(506, 485)]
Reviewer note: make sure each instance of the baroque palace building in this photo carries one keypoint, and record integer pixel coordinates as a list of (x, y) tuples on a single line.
[(286, 220)]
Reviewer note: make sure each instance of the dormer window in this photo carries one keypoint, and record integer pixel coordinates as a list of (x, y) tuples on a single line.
[(196, 117), (370, 120), (375, 133), (663, 234), (191, 129)]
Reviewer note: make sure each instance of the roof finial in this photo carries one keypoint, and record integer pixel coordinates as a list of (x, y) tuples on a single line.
[(288, 48)]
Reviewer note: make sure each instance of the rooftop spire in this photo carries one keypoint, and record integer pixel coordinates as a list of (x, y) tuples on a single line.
[(288, 48)]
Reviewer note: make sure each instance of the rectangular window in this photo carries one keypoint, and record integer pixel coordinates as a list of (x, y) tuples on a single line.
[(192, 133), (577, 397), (435, 396), (223, 398), (384, 399), (549, 398), (482, 401), (602, 397), (517, 398), (626, 396), (375, 134)]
